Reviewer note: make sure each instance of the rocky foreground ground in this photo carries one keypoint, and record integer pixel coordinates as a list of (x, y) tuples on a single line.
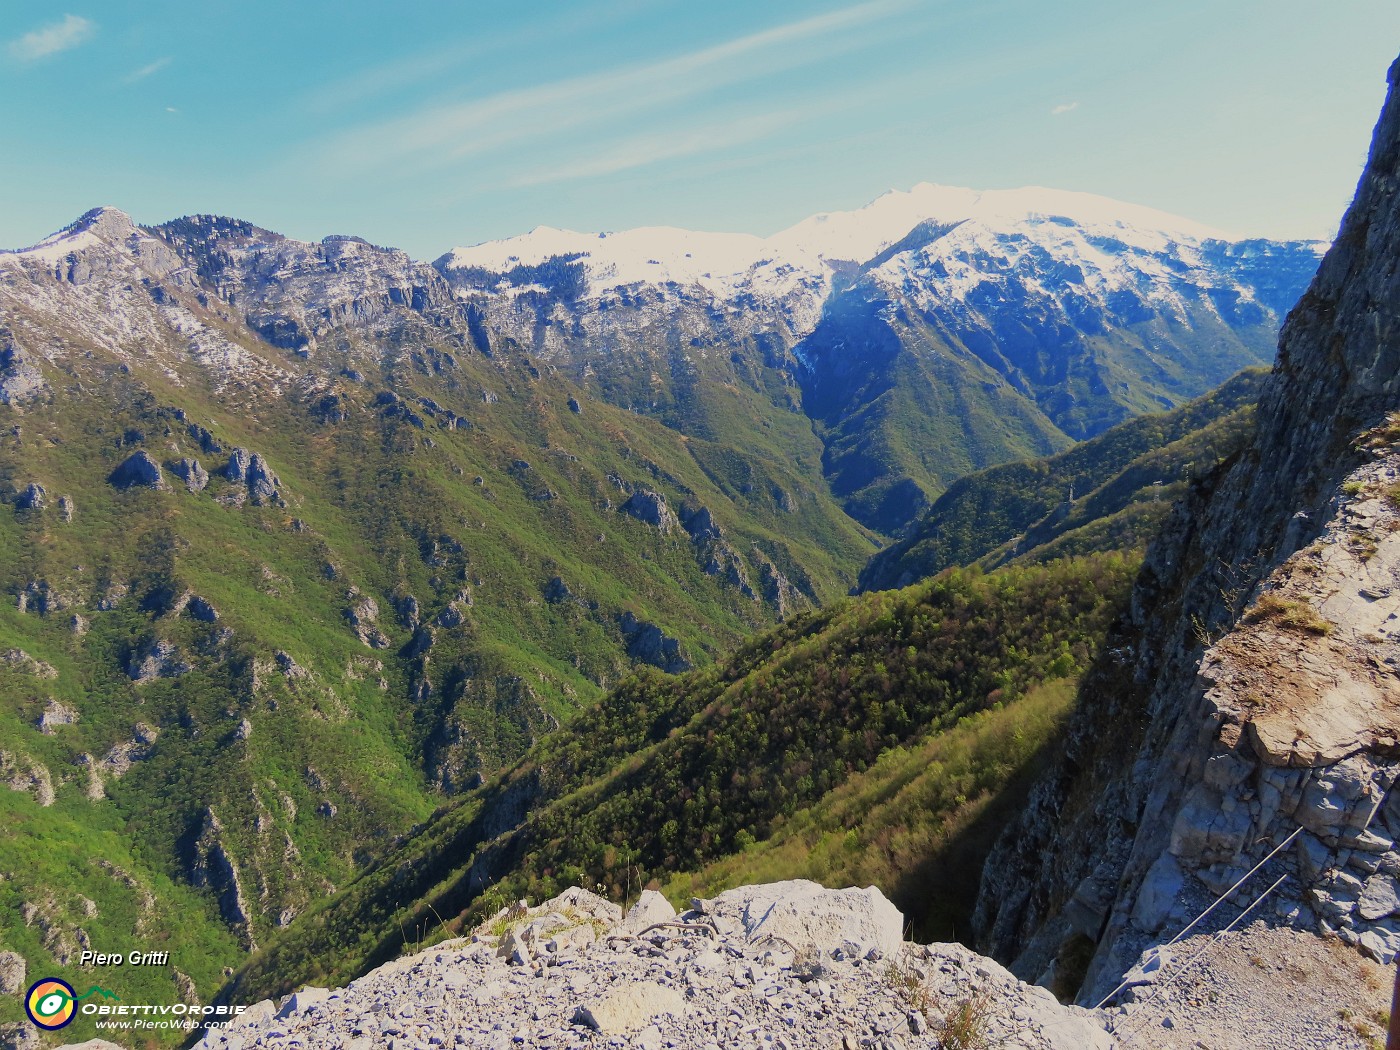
[(787, 965), (791, 965)]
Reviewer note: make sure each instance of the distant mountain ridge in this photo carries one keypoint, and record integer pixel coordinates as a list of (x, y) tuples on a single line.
[(930, 334), (934, 332)]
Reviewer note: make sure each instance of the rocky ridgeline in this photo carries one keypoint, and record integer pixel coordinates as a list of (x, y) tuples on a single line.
[(785, 965)]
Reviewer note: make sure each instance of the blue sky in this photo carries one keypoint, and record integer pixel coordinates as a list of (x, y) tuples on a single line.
[(430, 124)]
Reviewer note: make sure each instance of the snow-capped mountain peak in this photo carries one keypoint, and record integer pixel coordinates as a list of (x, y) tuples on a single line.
[(859, 235), (724, 262)]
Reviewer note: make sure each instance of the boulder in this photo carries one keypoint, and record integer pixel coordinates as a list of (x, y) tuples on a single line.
[(651, 908), (299, 1001), (807, 915), (1378, 898), (55, 714), (584, 904), (630, 1008), (138, 470)]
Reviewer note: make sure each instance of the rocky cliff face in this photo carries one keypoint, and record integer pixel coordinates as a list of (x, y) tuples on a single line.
[(1251, 701)]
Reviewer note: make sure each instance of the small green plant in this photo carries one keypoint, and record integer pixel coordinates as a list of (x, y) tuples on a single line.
[(1352, 488), (965, 1024), (1392, 495), (909, 981), (1290, 613)]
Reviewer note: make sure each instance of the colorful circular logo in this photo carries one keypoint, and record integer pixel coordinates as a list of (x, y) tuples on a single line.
[(49, 1003)]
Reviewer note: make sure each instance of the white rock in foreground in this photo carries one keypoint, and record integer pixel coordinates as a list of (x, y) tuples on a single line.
[(807, 915)]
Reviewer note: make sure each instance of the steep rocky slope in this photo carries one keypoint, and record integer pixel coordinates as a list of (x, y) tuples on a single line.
[(1250, 703)]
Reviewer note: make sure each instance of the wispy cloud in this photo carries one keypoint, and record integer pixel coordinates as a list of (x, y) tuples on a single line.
[(1064, 107), (63, 35), (368, 82), (442, 133), (146, 70), (641, 150)]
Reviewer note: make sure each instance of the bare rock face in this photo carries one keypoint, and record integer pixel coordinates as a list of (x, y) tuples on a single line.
[(262, 482), (21, 381), (363, 615), (195, 477), (138, 470), (649, 644), (651, 508), (19, 772), (31, 497), (236, 470), (157, 659), (19, 660), (12, 970), (39, 596), (1260, 666), (212, 866), (251, 470), (201, 609)]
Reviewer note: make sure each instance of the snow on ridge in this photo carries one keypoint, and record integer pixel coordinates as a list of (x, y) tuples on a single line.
[(95, 227), (726, 261), (653, 254), (856, 236)]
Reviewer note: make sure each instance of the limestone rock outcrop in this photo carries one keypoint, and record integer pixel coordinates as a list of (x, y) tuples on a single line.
[(138, 470)]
